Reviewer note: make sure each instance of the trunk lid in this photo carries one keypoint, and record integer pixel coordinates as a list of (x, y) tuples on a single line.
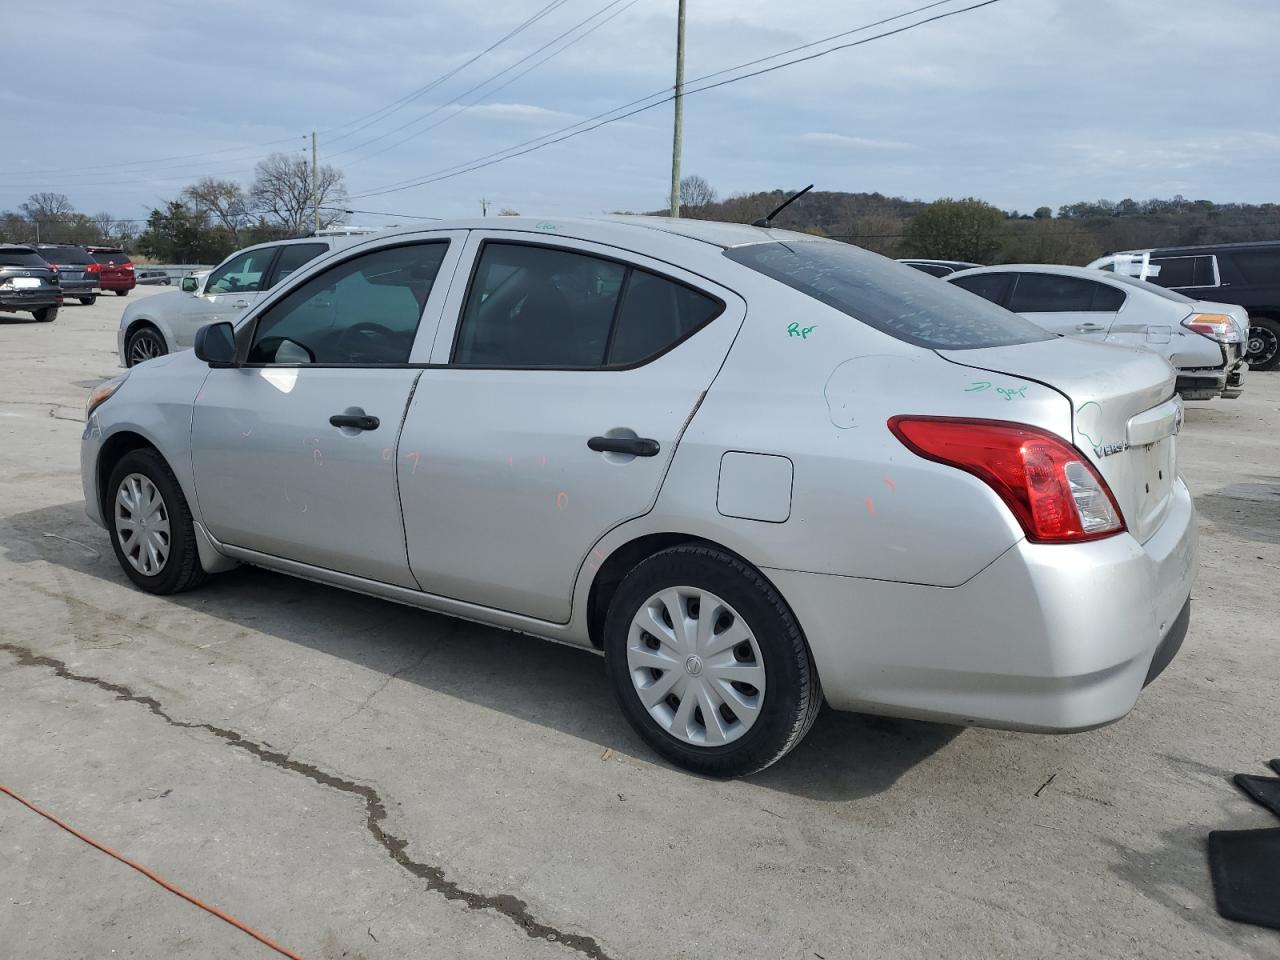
[(1125, 415)]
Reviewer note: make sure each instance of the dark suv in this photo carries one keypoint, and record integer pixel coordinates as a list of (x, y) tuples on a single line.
[(115, 270), (1247, 274), (28, 283), (77, 270)]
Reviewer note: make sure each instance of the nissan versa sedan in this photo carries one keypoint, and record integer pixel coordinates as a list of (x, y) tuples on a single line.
[(1204, 341), (755, 469)]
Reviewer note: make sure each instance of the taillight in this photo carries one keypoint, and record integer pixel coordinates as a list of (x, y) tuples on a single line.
[(1215, 326), (93, 268), (1053, 490), (126, 266)]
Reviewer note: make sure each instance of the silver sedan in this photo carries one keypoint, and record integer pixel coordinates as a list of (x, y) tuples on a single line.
[(756, 470)]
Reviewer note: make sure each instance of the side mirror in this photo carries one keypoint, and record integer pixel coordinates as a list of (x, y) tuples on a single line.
[(190, 284), (216, 345)]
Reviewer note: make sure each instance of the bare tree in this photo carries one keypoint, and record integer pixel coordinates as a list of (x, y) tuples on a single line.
[(225, 202), (106, 225), (696, 195), (46, 210), (281, 193)]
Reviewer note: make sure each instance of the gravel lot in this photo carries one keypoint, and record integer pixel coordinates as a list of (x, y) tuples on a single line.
[(358, 779)]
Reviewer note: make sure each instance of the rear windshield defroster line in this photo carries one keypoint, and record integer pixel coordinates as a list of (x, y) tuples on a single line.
[(891, 297)]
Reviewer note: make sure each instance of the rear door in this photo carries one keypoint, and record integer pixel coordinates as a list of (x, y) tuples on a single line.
[(1072, 306), (562, 393)]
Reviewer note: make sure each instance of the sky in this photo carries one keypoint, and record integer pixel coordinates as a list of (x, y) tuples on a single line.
[(1023, 103)]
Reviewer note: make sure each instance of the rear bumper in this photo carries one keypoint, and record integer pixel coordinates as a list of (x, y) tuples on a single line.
[(79, 288), (1205, 383), (1052, 638), (29, 301), (124, 283)]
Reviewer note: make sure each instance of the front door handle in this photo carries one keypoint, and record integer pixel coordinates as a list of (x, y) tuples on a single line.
[(636, 446), (355, 421), (1090, 328)]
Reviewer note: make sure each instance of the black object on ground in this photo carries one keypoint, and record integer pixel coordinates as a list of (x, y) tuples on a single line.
[(1265, 790), (1245, 866), (1275, 765)]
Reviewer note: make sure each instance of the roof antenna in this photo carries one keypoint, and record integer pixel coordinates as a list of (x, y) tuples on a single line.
[(768, 221)]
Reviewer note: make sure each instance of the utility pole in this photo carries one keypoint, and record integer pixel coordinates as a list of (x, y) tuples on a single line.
[(484, 207), (679, 124), (315, 180)]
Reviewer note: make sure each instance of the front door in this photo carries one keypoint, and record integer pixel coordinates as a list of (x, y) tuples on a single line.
[(294, 450), (230, 290), (565, 388)]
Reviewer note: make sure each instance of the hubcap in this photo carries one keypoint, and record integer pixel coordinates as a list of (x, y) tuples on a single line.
[(142, 524), (144, 347), (1263, 344), (696, 666)]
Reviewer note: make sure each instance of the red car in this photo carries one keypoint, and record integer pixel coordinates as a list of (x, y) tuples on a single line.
[(115, 270)]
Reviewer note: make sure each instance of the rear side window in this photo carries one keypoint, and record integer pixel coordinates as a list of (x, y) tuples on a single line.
[(1184, 271), (1258, 266), (534, 306), (892, 298), (990, 286), (110, 256), (21, 257), (295, 255), (1052, 293)]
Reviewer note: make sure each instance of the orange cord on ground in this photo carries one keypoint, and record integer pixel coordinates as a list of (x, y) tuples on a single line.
[(152, 876)]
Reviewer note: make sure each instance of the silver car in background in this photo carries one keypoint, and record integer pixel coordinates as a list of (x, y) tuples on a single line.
[(1204, 342), (757, 470), (168, 322)]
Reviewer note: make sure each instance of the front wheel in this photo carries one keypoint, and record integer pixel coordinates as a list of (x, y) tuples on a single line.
[(47, 315), (1264, 343), (150, 525), (708, 663), (144, 344)]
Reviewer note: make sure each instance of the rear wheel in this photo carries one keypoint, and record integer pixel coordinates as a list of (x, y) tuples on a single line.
[(88, 301), (150, 525), (122, 293), (47, 315), (1264, 343), (708, 663), (144, 343)]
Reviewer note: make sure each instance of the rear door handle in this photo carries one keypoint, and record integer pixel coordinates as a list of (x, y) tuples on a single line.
[(636, 446), (354, 420)]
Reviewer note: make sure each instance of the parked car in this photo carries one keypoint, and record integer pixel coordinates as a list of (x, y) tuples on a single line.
[(168, 321), (152, 276), (1245, 274), (939, 268), (1203, 341), (115, 270), (76, 268), (754, 468), (28, 283)]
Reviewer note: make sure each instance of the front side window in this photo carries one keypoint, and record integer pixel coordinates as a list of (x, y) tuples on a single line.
[(894, 299), (362, 311), (1053, 293), (242, 273), (295, 255)]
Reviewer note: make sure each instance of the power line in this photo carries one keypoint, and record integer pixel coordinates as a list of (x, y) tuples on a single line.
[(187, 156), (613, 116)]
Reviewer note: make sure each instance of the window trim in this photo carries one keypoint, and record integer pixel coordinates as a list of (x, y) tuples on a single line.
[(246, 335), (627, 265)]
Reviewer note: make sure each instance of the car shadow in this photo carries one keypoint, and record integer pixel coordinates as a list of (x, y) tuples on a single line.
[(1248, 511), (7, 318), (845, 756)]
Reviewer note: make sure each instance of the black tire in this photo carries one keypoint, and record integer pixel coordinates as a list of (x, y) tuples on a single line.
[(792, 695), (144, 340), (88, 301), (122, 293), (181, 570), (1264, 343), (47, 315)]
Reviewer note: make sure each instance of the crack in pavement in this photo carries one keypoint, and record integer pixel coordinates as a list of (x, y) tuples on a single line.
[(507, 905)]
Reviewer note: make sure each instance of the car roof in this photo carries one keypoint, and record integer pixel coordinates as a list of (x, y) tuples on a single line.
[(1058, 268), (940, 263), (1203, 248), (17, 247)]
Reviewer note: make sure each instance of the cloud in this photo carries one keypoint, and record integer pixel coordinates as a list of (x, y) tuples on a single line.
[(852, 143)]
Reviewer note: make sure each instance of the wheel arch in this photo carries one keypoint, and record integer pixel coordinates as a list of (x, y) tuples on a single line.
[(144, 321), (114, 449)]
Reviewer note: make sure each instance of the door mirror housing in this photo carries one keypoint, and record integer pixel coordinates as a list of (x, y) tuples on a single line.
[(190, 284), (216, 344)]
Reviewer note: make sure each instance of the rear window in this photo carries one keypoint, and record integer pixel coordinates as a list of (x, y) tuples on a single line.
[(65, 255), (894, 299), (110, 256), (21, 257)]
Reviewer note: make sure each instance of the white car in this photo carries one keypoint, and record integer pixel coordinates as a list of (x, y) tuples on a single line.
[(756, 469), (1205, 342), (168, 322)]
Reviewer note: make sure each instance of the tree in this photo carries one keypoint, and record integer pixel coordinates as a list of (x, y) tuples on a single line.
[(696, 195), (46, 210), (1043, 213), (968, 229), (224, 200), (282, 194)]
